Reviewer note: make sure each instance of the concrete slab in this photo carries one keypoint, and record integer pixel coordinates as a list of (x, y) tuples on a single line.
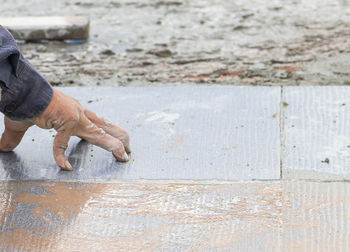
[(317, 132), (47, 28), (250, 216), (315, 216), (199, 133)]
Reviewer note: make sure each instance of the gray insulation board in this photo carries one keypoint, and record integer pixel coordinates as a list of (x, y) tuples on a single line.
[(197, 133), (317, 135), (47, 28)]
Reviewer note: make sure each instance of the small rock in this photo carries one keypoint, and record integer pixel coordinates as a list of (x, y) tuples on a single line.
[(282, 74), (41, 48), (239, 27), (161, 53), (326, 161), (134, 50), (250, 73), (107, 52), (146, 63)]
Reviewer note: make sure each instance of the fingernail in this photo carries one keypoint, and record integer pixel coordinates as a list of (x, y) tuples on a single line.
[(125, 157), (68, 166), (127, 149)]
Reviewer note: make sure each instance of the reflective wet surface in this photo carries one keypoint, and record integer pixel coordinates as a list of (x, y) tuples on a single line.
[(256, 216), (147, 43)]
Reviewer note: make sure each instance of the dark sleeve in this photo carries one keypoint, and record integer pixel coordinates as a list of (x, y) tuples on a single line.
[(25, 94)]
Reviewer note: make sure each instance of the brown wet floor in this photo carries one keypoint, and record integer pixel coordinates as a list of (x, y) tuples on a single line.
[(148, 216)]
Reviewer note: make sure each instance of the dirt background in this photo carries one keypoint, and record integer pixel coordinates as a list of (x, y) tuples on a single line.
[(156, 42)]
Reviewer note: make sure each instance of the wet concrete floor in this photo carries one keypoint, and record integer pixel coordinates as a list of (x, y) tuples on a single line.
[(215, 41), (168, 206), (157, 43), (156, 216)]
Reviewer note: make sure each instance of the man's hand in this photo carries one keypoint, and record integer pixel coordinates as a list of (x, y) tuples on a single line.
[(69, 118)]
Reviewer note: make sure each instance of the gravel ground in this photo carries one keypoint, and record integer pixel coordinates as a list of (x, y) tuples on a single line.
[(157, 42)]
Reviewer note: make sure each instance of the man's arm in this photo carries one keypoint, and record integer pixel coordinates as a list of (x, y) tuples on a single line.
[(24, 92), (27, 99)]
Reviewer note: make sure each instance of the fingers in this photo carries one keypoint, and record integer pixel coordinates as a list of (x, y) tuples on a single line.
[(110, 129), (60, 145), (97, 136), (13, 134)]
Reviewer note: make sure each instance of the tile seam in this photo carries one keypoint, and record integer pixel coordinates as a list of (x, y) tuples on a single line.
[(282, 133)]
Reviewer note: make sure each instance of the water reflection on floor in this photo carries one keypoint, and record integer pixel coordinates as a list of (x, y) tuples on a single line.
[(251, 216)]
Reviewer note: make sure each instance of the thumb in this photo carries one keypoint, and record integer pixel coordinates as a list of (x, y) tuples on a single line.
[(13, 134), (60, 145)]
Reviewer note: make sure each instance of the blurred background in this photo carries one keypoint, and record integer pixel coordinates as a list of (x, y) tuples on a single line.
[(151, 42)]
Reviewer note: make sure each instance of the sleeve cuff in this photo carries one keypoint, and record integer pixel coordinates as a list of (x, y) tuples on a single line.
[(26, 96)]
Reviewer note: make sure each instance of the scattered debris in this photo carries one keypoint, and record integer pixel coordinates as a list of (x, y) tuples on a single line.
[(161, 53), (107, 52), (325, 161)]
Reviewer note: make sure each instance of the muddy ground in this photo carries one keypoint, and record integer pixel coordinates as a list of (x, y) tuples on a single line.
[(145, 42)]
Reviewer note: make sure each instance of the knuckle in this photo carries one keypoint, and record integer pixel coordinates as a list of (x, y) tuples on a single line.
[(87, 112), (62, 146), (107, 122), (101, 132), (74, 118), (97, 134), (90, 126), (71, 121)]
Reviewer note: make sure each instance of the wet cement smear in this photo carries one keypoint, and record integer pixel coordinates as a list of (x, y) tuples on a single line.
[(162, 117), (136, 216), (255, 216), (231, 42)]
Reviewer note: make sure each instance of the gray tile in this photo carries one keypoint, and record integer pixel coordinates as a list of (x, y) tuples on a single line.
[(317, 133), (199, 133)]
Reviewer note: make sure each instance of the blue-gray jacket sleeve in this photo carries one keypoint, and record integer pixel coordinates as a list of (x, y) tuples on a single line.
[(25, 94)]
